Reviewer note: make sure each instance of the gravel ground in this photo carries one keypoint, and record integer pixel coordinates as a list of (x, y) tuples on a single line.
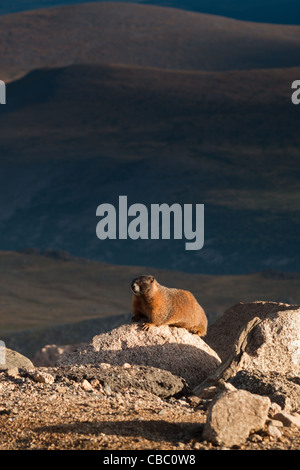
[(65, 414)]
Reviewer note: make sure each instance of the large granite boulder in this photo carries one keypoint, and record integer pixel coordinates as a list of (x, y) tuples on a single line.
[(265, 357), (173, 349), (274, 343)]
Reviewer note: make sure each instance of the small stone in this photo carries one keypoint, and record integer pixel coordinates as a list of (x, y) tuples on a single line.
[(288, 419), (85, 384), (255, 438), (43, 377), (12, 372), (274, 422), (107, 389), (61, 389), (233, 416), (126, 365), (273, 431), (95, 383), (274, 408), (193, 400), (197, 446)]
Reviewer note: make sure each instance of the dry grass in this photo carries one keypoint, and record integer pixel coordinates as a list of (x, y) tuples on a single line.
[(38, 291)]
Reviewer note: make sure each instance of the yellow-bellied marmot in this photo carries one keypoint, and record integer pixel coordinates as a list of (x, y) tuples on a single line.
[(159, 305)]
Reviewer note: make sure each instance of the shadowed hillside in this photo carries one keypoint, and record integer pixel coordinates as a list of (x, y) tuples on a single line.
[(134, 111), (118, 130)]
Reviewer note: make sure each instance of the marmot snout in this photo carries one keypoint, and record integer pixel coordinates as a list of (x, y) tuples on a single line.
[(159, 305), (142, 285)]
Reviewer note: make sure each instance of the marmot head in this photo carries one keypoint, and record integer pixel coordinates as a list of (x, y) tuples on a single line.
[(143, 285)]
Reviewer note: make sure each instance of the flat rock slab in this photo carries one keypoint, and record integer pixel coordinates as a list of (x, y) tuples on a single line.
[(116, 379), (169, 348)]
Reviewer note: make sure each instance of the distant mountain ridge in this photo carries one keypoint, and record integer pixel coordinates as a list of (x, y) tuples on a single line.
[(141, 35), (267, 11)]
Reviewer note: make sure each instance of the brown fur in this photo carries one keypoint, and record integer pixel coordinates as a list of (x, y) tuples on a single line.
[(159, 305)]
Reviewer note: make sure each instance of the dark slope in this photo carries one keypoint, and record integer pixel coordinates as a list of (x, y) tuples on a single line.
[(133, 111), (75, 137), (267, 11)]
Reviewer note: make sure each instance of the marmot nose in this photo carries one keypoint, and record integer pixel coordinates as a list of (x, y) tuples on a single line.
[(135, 287)]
